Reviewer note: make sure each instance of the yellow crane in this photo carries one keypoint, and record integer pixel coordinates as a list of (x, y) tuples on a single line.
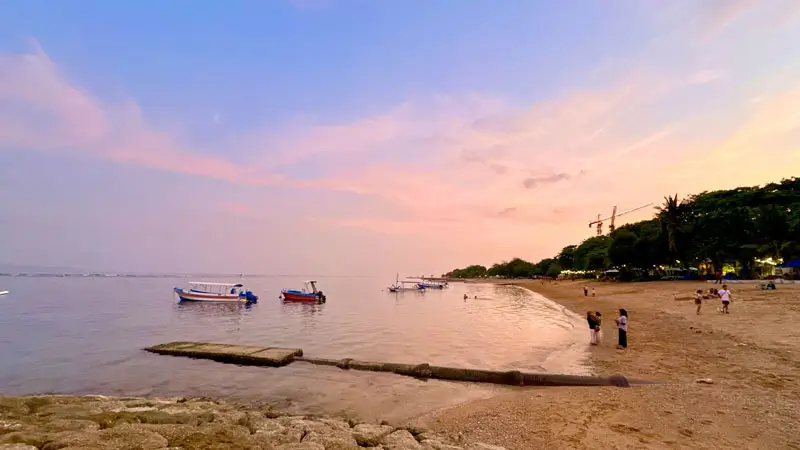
[(614, 215)]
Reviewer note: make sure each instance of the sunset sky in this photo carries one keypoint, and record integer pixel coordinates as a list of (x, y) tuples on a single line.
[(343, 137)]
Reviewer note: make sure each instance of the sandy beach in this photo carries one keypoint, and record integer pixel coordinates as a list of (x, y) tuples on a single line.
[(752, 355)]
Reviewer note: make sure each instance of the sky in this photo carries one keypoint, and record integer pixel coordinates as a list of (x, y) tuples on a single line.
[(349, 137)]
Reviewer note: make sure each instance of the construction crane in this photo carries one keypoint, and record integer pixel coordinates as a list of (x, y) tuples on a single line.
[(614, 215)]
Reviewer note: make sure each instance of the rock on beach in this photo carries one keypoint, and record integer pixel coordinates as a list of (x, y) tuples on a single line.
[(55, 422)]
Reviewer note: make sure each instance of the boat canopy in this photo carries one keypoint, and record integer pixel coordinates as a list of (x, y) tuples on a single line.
[(311, 281), (205, 283)]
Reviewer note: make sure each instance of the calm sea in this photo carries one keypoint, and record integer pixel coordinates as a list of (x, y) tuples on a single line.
[(85, 335)]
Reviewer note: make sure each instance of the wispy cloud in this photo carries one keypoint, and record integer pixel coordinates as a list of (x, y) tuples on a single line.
[(448, 166), (41, 111), (534, 182), (721, 13), (705, 76), (311, 4)]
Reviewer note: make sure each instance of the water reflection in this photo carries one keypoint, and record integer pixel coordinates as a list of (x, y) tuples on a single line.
[(212, 309), (304, 309)]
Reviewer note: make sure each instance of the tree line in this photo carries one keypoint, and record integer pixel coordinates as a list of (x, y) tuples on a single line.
[(707, 231)]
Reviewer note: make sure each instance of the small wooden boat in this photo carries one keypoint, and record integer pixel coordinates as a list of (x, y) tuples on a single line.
[(309, 294), (204, 291), (403, 286)]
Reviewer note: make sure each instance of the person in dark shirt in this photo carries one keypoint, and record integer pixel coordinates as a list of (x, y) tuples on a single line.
[(593, 325), (622, 329)]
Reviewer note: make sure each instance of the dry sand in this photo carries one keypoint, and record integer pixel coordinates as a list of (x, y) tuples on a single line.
[(752, 355)]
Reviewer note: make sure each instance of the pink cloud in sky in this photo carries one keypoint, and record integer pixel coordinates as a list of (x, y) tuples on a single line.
[(473, 171), (41, 110)]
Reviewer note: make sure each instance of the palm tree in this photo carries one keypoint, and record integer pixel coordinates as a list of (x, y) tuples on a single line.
[(672, 215)]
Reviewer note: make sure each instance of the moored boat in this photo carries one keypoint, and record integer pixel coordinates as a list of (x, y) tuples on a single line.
[(308, 294), (204, 291), (432, 285), (402, 286), (3, 292)]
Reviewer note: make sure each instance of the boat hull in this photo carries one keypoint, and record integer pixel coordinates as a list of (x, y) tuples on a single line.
[(193, 296), (291, 296)]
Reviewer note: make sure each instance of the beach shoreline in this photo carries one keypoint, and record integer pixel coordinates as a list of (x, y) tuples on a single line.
[(750, 357)]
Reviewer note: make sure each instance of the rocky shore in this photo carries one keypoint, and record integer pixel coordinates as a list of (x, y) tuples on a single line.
[(55, 422)]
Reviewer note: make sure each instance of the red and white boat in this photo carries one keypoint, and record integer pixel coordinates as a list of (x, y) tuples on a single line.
[(309, 294), (203, 291)]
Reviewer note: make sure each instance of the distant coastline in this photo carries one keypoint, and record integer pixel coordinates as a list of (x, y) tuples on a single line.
[(743, 233)]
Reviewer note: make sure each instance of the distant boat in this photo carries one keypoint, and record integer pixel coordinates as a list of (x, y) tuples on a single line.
[(204, 291), (402, 286), (307, 294), (432, 285), (3, 292)]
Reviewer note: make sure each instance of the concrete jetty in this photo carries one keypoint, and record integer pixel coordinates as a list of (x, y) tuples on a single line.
[(276, 357), (228, 353)]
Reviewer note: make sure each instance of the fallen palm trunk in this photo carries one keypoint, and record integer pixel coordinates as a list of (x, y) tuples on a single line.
[(511, 377), (272, 356)]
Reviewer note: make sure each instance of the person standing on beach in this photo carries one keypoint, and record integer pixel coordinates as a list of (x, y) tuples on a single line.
[(592, 320), (698, 300), (725, 296), (586, 291), (594, 292), (622, 329), (598, 319)]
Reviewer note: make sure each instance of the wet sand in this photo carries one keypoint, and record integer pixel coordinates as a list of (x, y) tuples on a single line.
[(752, 355)]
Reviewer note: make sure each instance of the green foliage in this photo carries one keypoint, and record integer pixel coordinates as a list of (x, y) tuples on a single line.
[(516, 268), (474, 271), (622, 250), (591, 254), (566, 259), (553, 269), (717, 227)]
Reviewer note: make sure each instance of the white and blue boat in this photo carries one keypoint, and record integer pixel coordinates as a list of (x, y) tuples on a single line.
[(204, 291), (402, 286), (430, 285)]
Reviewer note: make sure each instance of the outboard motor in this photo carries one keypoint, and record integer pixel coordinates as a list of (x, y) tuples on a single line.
[(252, 298), (321, 297)]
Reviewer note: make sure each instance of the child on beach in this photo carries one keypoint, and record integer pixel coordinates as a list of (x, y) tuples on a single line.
[(622, 329), (698, 300), (725, 296), (594, 292)]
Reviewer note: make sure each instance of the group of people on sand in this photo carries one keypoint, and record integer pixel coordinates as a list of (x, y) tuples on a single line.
[(723, 294), (595, 318)]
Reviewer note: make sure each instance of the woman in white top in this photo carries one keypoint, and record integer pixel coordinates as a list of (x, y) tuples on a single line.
[(725, 296)]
